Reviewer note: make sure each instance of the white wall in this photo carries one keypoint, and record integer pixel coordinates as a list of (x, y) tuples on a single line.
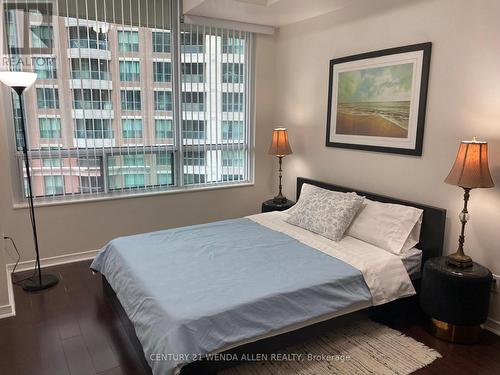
[(463, 101), (87, 226)]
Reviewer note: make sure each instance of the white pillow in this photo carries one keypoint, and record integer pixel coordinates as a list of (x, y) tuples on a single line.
[(325, 212), (393, 227)]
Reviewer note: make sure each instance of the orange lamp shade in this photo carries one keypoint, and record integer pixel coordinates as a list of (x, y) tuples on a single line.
[(471, 166), (280, 145)]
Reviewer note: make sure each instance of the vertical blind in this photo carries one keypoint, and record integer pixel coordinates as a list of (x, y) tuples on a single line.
[(102, 118)]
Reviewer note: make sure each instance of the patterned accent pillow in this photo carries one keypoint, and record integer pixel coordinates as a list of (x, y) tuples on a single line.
[(325, 212)]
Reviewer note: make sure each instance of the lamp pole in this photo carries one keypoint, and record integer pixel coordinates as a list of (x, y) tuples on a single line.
[(45, 281), (19, 92)]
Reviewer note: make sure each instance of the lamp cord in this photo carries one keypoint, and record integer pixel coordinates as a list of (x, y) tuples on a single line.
[(18, 282)]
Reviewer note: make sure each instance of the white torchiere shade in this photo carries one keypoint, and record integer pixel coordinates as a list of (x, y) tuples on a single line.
[(17, 79)]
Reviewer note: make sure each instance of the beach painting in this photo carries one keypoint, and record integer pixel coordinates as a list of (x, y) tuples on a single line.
[(376, 101)]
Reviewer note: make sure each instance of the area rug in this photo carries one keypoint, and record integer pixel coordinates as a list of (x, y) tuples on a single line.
[(363, 347)]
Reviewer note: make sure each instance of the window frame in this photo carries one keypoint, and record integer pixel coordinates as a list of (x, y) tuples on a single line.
[(19, 201)]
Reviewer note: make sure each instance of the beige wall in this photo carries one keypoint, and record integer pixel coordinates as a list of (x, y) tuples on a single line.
[(463, 101), (80, 227)]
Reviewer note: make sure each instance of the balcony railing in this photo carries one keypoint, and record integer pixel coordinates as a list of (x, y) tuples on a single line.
[(84, 104), (94, 134), (193, 78), (85, 74), (88, 43), (193, 107)]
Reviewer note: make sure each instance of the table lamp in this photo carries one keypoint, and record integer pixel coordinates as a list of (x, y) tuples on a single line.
[(280, 148), (470, 171), (20, 81)]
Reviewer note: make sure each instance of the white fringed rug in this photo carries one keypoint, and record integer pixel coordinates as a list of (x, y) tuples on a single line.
[(363, 347)]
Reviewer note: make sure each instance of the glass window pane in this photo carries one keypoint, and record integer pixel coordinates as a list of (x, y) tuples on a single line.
[(163, 100), (131, 128), (128, 41)]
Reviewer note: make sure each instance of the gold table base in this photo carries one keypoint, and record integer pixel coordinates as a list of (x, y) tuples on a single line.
[(455, 333)]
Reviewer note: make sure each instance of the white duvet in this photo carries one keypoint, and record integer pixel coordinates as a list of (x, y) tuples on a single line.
[(384, 273)]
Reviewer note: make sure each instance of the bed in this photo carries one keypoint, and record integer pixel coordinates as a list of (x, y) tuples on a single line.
[(232, 287)]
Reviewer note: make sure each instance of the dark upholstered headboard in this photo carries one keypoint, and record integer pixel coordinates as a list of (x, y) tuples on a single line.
[(432, 232)]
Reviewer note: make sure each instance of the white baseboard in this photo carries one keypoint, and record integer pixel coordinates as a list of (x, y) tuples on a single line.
[(6, 311), (10, 309), (492, 325)]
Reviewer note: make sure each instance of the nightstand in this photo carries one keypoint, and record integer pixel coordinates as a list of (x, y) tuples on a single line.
[(269, 206), (456, 299)]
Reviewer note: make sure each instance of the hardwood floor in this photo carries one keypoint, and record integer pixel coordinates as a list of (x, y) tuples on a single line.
[(72, 329)]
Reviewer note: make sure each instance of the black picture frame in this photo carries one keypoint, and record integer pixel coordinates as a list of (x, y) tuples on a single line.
[(422, 98)]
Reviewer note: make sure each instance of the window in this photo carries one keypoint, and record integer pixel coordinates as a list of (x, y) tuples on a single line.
[(11, 22), (50, 127), (133, 160), (91, 184), (193, 72), (41, 36), (93, 129), (87, 37), (192, 178), (91, 99), (89, 163), (192, 42), (232, 177), (162, 71), (232, 102), (47, 98), (130, 71), (165, 179), (90, 69), (16, 114), (45, 67), (116, 68), (133, 180), (51, 163), (165, 166), (163, 100), (233, 130), (233, 45), (53, 185), (131, 100), (193, 101), (161, 41), (128, 41), (232, 158), (232, 73), (194, 158), (163, 129), (193, 129), (164, 159), (131, 128)]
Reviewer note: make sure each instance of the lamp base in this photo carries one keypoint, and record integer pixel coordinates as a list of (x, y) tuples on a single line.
[(34, 285), (459, 260)]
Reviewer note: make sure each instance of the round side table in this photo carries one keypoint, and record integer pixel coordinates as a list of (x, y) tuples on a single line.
[(269, 206), (456, 299)]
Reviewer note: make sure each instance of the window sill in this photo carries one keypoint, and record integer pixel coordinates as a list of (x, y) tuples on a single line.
[(127, 195)]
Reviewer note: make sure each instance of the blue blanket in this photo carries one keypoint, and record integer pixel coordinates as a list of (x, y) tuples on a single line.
[(190, 291)]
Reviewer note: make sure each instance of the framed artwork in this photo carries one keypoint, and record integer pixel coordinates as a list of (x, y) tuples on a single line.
[(376, 100)]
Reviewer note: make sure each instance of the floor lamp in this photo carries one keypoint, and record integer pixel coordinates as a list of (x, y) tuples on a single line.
[(20, 81)]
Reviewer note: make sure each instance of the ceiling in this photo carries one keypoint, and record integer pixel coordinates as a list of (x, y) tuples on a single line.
[(274, 13)]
